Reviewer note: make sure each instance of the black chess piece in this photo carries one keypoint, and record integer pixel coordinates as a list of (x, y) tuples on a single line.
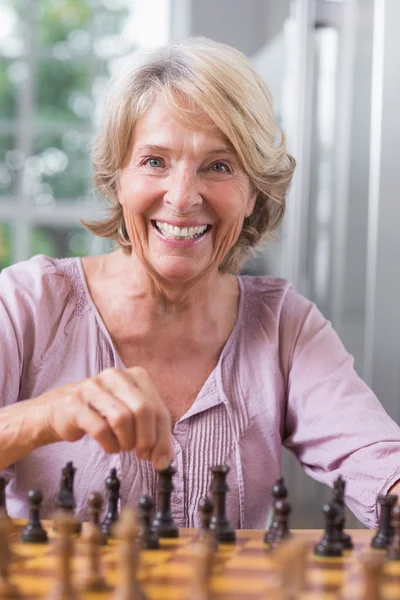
[(224, 532), (329, 545), (3, 503), (206, 509), (148, 535), (279, 492), (65, 500), (113, 485), (385, 531), (33, 533), (339, 487), (281, 529), (163, 522), (95, 502), (394, 546)]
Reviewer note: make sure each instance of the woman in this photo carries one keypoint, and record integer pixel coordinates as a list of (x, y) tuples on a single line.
[(159, 352)]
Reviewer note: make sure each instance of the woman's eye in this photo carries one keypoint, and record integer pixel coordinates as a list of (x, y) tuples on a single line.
[(220, 167), (153, 162)]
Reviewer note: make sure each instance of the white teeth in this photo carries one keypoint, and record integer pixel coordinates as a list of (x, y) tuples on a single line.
[(177, 232)]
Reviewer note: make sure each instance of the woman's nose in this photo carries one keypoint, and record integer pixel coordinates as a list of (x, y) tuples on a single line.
[(182, 193)]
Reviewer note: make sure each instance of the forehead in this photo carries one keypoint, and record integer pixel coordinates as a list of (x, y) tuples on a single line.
[(192, 128)]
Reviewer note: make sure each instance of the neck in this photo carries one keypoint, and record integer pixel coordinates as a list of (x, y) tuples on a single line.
[(171, 300)]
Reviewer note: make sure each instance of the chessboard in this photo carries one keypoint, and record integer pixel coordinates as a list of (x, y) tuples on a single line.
[(241, 571)]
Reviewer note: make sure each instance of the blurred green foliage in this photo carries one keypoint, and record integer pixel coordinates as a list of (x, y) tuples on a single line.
[(58, 18), (73, 43)]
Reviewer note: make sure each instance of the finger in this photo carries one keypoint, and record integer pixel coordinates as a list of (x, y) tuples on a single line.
[(96, 427), (144, 405), (163, 454), (116, 412)]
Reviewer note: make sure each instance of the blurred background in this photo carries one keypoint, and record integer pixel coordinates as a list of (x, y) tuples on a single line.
[(334, 71)]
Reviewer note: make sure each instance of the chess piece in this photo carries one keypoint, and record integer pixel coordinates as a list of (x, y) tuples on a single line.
[(329, 546), (339, 487), (95, 502), (202, 559), (127, 532), (8, 591), (3, 484), (65, 500), (206, 508), (371, 564), (63, 588), (219, 522), (92, 579), (281, 524), (290, 562), (279, 492), (33, 533), (148, 535), (385, 531), (163, 522), (394, 546), (112, 484)]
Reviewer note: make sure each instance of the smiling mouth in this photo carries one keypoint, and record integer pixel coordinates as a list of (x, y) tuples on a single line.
[(180, 233)]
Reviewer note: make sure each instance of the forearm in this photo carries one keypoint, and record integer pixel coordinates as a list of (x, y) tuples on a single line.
[(23, 428)]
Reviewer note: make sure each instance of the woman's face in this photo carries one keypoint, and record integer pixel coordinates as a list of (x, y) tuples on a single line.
[(184, 196)]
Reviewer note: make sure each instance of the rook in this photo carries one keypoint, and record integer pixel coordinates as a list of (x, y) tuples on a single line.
[(219, 522), (384, 534), (163, 523)]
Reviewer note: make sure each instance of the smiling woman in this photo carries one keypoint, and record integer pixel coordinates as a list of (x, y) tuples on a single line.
[(158, 352)]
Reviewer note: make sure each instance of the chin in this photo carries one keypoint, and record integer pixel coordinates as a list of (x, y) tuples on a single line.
[(177, 271)]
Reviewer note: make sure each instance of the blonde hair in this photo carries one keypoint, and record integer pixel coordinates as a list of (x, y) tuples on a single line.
[(197, 76)]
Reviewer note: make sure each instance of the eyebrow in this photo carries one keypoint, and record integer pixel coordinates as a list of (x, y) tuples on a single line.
[(157, 148)]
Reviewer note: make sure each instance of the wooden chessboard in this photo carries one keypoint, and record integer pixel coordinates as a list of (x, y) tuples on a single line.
[(241, 570)]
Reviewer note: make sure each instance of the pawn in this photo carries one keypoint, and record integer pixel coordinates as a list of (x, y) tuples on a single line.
[(34, 533), (279, 492), (8, 591), (95, 502), (372, 564), (206, 508), (394, 546), (384, 534), (202, 559), (281, 529), (148, 535), (127, 532), (92, 579), (63, 588), (329, 545)]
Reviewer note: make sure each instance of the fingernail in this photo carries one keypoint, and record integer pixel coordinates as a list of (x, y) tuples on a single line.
[(162, 463)]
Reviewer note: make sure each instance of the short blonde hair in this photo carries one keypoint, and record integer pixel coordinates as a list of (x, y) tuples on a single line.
[(197, 76)]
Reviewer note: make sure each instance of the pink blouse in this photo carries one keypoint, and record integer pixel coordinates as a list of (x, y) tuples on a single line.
[(283, 377)]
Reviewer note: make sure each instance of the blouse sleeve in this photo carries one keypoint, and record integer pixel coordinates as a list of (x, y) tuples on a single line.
[(33, 295), (334, 423)]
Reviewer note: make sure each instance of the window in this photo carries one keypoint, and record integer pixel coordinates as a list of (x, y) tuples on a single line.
[(55, 60)]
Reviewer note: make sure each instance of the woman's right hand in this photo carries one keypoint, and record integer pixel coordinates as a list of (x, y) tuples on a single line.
[(121, 409)]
